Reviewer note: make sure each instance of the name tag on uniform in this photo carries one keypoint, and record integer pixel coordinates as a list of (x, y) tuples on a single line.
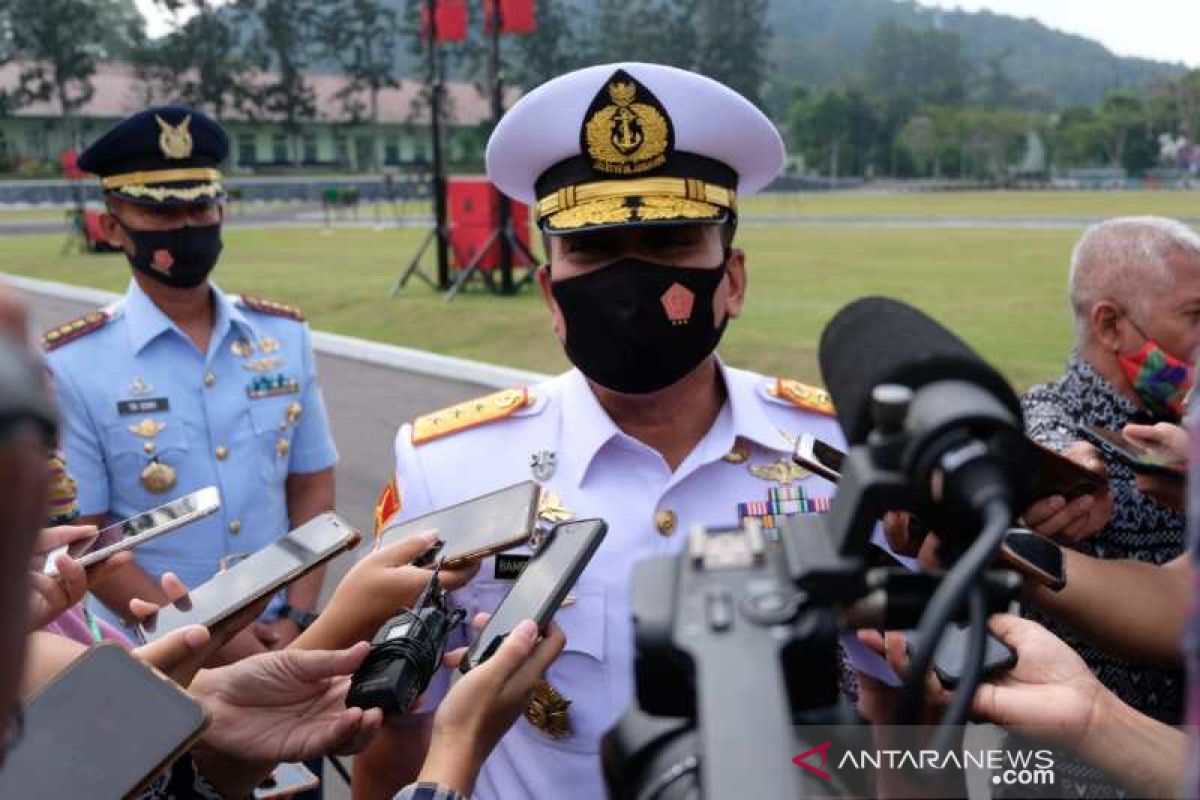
[(509, 567), (146, 405)]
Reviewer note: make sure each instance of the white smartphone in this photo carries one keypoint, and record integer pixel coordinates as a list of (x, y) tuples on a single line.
[(139, 529)]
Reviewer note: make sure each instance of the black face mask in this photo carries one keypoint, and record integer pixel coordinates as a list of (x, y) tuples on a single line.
[(636, 326), (181, 257)]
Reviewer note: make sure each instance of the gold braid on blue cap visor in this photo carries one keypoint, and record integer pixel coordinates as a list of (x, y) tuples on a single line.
[(136, 183), (687, 198)]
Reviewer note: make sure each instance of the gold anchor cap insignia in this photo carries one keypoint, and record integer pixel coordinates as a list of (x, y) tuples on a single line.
[(627, 131), (175, 141)]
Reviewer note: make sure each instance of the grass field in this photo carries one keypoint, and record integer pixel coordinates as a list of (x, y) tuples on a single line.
[(1182, 204), (1002, 290)]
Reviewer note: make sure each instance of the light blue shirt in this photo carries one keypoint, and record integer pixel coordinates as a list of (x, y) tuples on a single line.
[(140, 366), (600, 472)]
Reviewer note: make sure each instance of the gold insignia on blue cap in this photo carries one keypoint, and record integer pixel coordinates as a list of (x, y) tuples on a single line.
[(627, 131), (175, 141)]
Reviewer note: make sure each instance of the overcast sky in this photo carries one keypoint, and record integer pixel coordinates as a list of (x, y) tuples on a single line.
[(1167, 30)]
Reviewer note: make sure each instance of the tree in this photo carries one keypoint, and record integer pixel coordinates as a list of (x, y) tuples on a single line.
[(554, 48), (1122, 118), (834, 130), (201, 62), (364, 37), (49, 37), (732, 39), (281, 46), (907, 69), (660, 31)]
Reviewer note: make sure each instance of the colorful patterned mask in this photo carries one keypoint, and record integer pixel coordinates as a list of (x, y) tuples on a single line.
[(1160, 379)]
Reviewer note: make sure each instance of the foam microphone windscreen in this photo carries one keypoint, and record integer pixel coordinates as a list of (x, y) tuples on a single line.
[(878, 340)]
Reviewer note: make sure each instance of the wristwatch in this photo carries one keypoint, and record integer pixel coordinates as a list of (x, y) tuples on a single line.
[(302, 618)]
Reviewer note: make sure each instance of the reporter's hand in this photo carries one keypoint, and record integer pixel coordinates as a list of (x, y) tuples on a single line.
[(287, 705), (1071, 521), (1166, 492), (1050, 693), (1165, 441), (177, 655), (484, 703), (276, 634), (51, 595), (877, 700), (376, 589)]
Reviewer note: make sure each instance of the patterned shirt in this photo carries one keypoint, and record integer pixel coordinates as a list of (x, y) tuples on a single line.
[(1191, 639), (1139, 529), (428, 791)]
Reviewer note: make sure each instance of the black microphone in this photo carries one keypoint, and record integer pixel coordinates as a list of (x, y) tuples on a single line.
[(960, 438), (876, 340)]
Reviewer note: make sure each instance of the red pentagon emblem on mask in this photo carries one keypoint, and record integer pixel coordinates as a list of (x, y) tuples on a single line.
[(677, 302), (163, 260)]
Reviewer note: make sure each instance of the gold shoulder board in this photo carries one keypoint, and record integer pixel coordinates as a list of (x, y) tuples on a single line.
[(801, 395), (75, 329), (264, 306), (470, 414)]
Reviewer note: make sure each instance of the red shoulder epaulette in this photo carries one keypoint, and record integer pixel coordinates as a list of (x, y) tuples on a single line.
[(264, 306), (75, 329)]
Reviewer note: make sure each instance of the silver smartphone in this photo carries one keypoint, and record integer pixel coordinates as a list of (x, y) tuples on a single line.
[(129, 533), (819, 457), (270, 569), (286, 780)]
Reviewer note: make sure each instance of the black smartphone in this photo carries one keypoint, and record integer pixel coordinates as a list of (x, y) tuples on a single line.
[(475, 528), (819, 457), (1054, 473), (542, 586), (105, 727), (128, 534), (1115, 446), (952, 652), (1034, 556), (284, 560)]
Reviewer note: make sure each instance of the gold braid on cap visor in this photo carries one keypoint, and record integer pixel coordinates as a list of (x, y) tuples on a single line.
[(161, 176), (683, 188)]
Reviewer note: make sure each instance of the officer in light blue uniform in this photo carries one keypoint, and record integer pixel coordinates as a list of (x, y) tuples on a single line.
[(634, 170), (179, 386)]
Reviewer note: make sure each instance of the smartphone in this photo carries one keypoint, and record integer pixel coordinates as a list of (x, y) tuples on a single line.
[(1054, 473), (819, 457), (286, 559), (105, 727), (1034, 556), (1115, 446), (139, 529), (286, 780), (952, 652), (543, 585), (475, 528)]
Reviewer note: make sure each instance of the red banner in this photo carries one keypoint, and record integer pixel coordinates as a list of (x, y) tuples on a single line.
[(516, 16), (449, 18)]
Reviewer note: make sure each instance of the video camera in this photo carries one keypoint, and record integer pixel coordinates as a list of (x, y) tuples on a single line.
[(737, 638)]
